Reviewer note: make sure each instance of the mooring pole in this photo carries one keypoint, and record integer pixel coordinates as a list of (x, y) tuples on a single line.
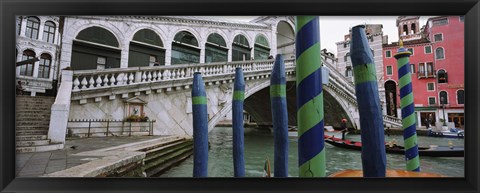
[(278, 100), (311, 143), (366, 89), (237, 123), (200, 127), (408, 109)]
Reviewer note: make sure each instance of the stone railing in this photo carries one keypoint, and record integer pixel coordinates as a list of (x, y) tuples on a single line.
[(394, 121), (91, 83)]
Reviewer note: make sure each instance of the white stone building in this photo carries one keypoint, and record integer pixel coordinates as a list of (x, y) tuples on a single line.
[(376, 40)]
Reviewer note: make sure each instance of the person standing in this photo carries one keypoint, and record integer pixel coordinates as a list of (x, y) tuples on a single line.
[(343, 124)]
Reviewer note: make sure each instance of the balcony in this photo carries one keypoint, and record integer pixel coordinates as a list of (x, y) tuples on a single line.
[(426, 74)]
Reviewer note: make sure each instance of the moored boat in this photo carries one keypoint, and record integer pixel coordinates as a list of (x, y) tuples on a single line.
[(431, 151)]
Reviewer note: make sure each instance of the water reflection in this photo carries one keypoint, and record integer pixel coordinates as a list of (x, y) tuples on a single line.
[(259, 145)]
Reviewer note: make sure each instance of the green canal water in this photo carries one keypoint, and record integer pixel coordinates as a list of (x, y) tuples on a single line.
[(259, 145)]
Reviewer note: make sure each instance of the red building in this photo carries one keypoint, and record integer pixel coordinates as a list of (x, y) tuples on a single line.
[(437, 66)]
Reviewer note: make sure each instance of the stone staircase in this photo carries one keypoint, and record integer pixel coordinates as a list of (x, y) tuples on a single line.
[(164, 156), (32, 123)]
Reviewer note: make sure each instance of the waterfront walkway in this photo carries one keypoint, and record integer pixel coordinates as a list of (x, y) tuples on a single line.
[(40, 163)]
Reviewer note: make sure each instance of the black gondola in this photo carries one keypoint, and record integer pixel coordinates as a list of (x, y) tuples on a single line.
[(432, 151)]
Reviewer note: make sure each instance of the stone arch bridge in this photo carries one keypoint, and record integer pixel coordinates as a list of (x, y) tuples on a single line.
[(164, 94)]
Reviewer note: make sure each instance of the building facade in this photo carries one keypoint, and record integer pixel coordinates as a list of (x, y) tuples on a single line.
[(38, 37), (437, 67)]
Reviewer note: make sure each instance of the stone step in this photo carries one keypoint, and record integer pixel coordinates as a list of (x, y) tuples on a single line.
[(33, 108), (30, 137), (31, 111), (30, 132), (27, 122), (32, 127), (31, 143), (168, 148), (40, 148), (36, 117), (168, 161)]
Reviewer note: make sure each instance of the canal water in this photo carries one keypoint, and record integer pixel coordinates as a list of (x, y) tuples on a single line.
[(259, 145)]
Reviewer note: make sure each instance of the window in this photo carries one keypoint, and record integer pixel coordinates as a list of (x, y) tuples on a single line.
[(438, 37), (439, 22), (413, 28), (443, 97), (410, 50), (388, 54), (49, 32), (405, 30), (389, 70), (428, 49), (430, 86), (348, 72), (460, 97), (240, 49), (346, 57), (261, 48), (101, 61), (439, 53), (430, 70), (431, 101), (442, 76), (462, 18), (19, 25), (412, 68), (27, 69), (44, 66), (33, 24), (185, 49), (421, 70)]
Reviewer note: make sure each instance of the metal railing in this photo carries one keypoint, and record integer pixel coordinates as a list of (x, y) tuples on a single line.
[(106, 127)]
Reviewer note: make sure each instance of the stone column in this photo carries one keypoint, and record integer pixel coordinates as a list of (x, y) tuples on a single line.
[(40, 30), (23, 26)]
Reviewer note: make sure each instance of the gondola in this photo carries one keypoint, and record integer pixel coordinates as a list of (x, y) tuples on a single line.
[(432, 151)]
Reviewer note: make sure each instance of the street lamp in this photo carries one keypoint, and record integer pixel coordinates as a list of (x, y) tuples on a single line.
[(443, 107)]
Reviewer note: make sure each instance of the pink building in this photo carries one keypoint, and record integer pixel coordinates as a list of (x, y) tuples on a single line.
[(437, 66)]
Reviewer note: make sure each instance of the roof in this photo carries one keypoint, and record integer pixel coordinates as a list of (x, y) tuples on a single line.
[(411, 42)]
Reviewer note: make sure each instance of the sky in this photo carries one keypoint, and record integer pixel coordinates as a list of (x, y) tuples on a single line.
[(334, 28)]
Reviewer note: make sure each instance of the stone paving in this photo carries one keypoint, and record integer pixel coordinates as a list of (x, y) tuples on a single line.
[(39, 163)]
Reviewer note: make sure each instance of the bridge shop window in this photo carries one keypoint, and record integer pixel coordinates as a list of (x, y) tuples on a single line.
[(146, 46), (442, 76), (49, 32), (27, 69), (460, 97), (33, 25), (241, 50), (93, 43), (185, 48), (216, 49), (261, 48), (44, 66)]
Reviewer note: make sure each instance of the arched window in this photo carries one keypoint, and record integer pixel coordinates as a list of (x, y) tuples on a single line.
[(461, 97), (44, 66), (185, 49), (49, 32), (216, 49), (95, 48), (439, 53), (27, 69), (442, 76), (405, 30), (413, 28), (261, 48), (346, 56), (146, 49), (33, 24), (240, 48), (443, 97)]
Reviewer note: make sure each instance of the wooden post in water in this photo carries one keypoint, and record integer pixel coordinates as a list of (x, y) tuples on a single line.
[(374, 160), (278, 98), (237, 123), (200, 127)]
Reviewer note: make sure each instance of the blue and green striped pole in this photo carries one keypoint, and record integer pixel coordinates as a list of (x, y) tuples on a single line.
[(237, 123), (311, 145), (200, 127), (366, 89), (278, 100), (408, 110)]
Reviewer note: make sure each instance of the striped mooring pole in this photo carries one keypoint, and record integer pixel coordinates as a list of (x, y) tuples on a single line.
[(278, 100), (408, 110), (311, 143), (366, 89), (237, 123), (200, 127)]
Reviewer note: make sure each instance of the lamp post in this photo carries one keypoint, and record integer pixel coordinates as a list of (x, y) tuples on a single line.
[(443, 107)]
